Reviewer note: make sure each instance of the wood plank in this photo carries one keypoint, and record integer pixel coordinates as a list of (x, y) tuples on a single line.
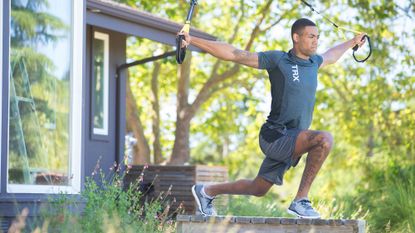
[(247, 224), (192, 227)]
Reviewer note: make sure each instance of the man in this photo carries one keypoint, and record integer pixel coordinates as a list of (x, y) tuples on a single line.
[(285, 136)]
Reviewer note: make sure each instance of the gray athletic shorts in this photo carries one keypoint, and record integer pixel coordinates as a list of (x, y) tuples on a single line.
[(278, 156)]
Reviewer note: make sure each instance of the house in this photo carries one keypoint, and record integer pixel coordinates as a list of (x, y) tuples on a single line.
[(63, 93)]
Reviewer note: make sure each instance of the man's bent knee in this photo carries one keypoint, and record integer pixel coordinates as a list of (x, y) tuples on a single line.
[(326, 141), (260, 192), (260, 187)]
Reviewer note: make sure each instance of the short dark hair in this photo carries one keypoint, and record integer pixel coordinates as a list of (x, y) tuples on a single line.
[(299, 25)]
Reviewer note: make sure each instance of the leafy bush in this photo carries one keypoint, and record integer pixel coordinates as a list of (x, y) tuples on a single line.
[(109, 207), (385, 200), (391, 197)]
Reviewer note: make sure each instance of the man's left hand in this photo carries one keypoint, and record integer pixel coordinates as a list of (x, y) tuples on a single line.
[(357, 40)]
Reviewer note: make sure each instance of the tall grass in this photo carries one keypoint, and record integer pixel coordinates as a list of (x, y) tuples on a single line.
[(109, 207), (266, 206), (386, 200), (393, 205)]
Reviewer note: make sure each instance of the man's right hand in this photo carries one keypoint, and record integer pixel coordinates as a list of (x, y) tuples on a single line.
[(187, 39)]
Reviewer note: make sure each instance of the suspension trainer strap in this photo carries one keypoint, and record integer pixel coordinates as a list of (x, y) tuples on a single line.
[(370, 49), (181, 52), (342, 29)]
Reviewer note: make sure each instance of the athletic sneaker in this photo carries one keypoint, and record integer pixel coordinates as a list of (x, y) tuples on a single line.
[(204, 203), (302, 208)]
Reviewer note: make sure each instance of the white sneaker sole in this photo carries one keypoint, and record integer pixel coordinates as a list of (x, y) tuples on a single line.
[(197, 200), (302, 216)]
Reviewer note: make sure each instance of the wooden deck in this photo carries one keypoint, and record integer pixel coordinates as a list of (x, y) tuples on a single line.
[(235, 224)]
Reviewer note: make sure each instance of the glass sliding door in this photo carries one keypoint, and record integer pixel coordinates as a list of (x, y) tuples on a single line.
[(43, 82)]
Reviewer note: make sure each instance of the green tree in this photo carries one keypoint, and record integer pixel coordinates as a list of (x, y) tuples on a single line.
[(222, 75), (369, 107)]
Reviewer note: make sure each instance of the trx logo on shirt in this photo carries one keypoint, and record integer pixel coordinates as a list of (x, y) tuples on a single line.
[(296, 76)]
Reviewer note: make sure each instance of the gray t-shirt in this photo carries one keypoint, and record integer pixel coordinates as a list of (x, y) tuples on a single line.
[(293, 89)]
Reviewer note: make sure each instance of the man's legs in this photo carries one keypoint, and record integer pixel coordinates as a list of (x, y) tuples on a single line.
[(257, 187), (204, 194), (318, 145)]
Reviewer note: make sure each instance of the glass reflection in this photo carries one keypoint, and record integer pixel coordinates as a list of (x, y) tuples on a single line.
[(40, 59), (99, 83)]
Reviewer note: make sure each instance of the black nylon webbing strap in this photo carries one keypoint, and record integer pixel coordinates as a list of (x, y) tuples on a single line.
[(356, 47), (181, 52)]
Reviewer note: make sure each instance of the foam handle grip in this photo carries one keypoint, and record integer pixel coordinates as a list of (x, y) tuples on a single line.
[(181, 52), (356, 47)]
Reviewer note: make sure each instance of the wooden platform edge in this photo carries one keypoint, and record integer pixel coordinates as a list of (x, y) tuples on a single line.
[(355, 226)]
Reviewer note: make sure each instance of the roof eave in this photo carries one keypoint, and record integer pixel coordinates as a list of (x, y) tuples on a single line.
[(141, 18)]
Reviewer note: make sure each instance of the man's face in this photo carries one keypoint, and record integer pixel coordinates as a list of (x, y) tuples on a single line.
[(307, 40)]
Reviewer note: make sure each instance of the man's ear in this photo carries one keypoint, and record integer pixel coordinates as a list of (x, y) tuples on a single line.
[(296, 37)]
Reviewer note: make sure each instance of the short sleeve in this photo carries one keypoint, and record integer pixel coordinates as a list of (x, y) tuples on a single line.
[(319, 59), (269, 59)]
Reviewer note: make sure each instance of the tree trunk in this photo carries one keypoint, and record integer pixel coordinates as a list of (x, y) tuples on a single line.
[(186, 111), (158, 157), (141, 149), (181, 151)]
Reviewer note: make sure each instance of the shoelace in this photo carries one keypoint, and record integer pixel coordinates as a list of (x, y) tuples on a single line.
[(210, 204), (306, 204)]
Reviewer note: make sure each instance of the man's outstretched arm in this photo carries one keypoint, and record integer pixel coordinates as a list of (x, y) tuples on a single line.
[(223, 51), (333, 54)]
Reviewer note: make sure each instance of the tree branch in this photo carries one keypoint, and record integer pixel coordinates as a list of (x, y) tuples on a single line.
[(241, 17), (183, 84), (337, 89), (215, 79), (141, 149), (155, 104), (256, 30), (276, 21), (205, 94)]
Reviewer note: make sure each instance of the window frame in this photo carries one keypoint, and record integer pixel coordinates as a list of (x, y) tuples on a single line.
[(101, 133), (76, 113), (1, 82)]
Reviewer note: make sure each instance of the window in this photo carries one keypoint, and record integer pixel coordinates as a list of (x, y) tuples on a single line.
[(100, 84), (45, 100)]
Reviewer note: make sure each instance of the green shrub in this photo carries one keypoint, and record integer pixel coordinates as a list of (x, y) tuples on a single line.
[(108, 208), (385, 199), (394, 192)]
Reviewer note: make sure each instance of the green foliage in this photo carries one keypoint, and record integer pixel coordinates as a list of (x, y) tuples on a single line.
[(384, 198), (254, 206), (388, 196), (108, 208), (369, 107)]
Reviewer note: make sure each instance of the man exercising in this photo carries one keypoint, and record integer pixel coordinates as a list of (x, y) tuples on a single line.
[(285, 136)]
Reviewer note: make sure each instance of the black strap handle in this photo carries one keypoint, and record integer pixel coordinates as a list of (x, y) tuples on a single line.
[(181, 52), (356, 47)]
